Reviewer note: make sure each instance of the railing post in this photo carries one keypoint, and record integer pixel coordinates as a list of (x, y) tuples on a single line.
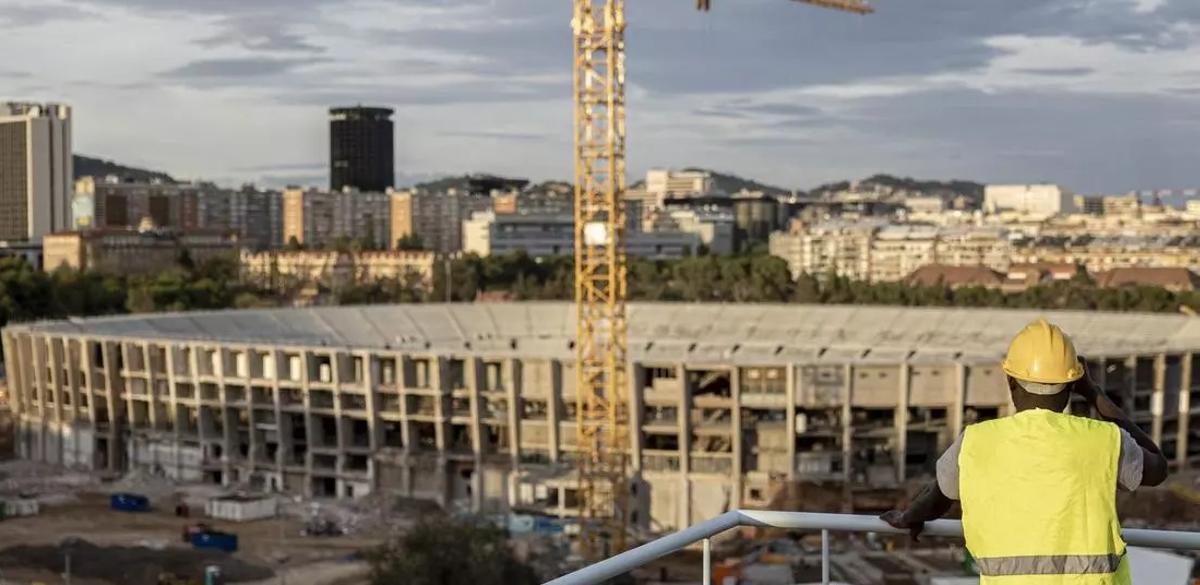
[(708, 561), (824, 557)]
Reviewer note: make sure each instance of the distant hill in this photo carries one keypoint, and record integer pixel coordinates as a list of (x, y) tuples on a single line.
[(730, 183), (969, 189), (473, 183), (86, 166)]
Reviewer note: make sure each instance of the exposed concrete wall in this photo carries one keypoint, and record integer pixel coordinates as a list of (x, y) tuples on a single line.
[(492, 433)]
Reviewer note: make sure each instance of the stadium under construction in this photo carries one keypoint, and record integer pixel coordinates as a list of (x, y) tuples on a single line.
[(473, 405)]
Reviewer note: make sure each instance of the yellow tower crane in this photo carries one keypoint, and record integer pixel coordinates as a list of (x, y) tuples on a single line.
[(602, 409)]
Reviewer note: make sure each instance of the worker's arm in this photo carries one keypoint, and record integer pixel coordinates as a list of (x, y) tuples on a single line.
[(1154, 470), (930, 504)]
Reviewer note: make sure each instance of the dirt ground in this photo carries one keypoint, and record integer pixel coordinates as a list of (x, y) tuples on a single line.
[(275, 544)]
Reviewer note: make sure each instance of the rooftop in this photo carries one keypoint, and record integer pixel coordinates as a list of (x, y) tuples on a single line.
[(698, 333)]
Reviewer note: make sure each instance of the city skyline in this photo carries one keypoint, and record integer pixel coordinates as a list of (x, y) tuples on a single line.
[(1096, 95)]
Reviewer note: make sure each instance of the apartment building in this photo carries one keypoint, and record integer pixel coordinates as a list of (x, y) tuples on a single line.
[(883, 252), (472, 406), (112, 203), (436, 218), (319, 219), (834, 247)]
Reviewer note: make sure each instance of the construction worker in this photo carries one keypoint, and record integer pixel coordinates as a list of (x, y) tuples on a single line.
[(1038, 488)]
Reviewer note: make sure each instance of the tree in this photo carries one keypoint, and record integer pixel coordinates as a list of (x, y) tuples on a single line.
[(410, 242), (444, 551), (293, 245)]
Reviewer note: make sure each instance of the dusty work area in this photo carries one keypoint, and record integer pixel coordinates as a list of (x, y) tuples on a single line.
[(131, 547), (131, 565)]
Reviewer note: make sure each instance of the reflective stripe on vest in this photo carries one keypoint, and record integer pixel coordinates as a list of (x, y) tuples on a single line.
[(1049, 565)]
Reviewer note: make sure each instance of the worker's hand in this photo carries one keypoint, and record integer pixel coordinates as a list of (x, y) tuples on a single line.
[(1085, 386), (900, 520)]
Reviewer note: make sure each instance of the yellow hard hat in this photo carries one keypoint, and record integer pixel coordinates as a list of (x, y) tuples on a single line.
[(1042, 353)]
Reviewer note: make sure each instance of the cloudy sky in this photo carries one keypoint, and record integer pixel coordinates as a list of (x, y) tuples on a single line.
[(1101, 95)]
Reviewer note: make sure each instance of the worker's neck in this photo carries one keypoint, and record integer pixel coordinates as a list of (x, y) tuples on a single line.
[(1024, 401)]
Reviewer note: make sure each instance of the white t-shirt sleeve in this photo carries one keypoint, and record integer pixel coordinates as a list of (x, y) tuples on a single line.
[(1132, 463), (947, 470)]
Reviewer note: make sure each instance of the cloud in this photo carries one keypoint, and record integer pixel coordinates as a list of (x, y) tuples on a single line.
[(496, 135), (275, 167), (10, 74), (32, 14), (238, 68), (1058, 71)]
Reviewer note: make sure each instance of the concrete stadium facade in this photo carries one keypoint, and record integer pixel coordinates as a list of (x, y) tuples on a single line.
[(472, 405)]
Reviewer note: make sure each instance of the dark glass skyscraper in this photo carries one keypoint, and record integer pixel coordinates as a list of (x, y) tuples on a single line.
[(361, 151)]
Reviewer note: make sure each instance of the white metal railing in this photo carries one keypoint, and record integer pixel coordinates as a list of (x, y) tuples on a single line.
[(825, 523)]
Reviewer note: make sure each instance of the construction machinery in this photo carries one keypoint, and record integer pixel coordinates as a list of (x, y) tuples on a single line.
[(602, 411)]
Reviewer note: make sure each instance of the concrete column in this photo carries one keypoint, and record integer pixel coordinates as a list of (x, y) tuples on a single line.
[(130, 412), (437, 367), (637, 406), (790, 393), (173, 407), (513, 394), (370, 384), (735, 392), (1185, 410), (847, 420), (74, 384), (283, 435), (16, 386), (476, 371), (406, 475), (306, 357), (48, 368), (117, 418), (89, 387), (1158, 400), (54, 380), (148, 375), (901, 418), (959, 405), (685, 445), (554, 407), (685, 425), (229, 422)]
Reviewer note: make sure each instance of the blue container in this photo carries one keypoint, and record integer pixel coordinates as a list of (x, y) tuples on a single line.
[(130, 503), (215, 541)]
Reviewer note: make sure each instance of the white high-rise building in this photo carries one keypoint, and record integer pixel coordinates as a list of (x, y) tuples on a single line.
[(36, 171), (1041, 200)]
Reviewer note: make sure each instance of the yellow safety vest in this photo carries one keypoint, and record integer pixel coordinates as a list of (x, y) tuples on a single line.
[(1039, 498)]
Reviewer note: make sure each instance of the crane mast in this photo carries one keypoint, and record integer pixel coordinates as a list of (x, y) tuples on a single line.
[(602, 414), (601, 369)]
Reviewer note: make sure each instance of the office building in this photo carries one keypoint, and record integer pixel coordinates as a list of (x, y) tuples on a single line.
[(1037, 200), (488, 233), (471, 405), (36, 170), (361, 149), (714, 226), (756, 216)]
